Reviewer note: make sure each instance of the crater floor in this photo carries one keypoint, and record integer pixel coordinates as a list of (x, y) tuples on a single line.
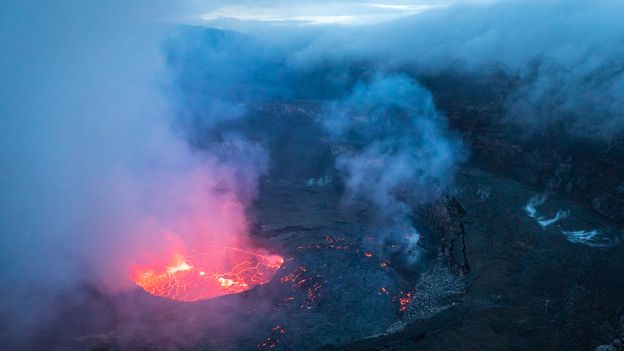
[(531, 286)]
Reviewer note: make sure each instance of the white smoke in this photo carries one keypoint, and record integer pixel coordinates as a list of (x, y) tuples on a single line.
[(404, 154), (531, 209)]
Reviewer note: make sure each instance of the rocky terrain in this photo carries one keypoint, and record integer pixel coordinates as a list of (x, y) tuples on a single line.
[(582, 169), (336, 292), (501, 258)]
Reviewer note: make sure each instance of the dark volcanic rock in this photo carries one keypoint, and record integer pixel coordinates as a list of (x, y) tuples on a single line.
[(549, 156), (444, 217), (610, 206), (524, 279)]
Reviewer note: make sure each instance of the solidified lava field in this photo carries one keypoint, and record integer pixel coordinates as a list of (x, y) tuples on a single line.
[(339, 287), (334, 292)]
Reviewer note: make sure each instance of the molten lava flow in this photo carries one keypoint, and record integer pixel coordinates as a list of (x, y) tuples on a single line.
[(209, 273), (404, 301)]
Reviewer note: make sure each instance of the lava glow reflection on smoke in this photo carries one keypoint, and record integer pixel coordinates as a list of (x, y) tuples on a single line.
[(211, 272)]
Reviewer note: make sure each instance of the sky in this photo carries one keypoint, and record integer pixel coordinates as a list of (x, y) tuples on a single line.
[(228, 14)]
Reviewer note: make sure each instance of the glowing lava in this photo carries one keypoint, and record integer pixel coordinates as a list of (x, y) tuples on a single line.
[(209, 273)]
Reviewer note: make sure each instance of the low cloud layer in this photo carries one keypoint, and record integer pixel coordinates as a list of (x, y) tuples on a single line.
[(563, 56)]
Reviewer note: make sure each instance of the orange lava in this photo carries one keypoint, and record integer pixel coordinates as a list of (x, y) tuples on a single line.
[(212, 272)]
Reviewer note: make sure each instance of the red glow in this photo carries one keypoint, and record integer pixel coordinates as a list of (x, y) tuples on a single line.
[(404, 301), (212, 272)]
